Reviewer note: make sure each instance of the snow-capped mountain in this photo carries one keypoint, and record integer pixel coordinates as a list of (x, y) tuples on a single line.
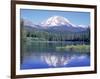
[(56, 21), (59, 23)]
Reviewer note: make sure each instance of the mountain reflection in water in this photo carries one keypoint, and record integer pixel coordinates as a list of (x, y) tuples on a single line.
[(56, 61), (36, 60)]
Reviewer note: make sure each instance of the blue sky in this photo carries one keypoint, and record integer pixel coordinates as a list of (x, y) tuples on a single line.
[(37, 16)]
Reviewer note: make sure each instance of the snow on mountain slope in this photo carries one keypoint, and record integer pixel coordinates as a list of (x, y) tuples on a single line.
[(56, 21), (83, 26)]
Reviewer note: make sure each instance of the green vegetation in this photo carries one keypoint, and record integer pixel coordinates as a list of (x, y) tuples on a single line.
[(75, 48)]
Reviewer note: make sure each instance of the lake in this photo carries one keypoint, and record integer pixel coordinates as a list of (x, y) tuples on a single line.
[(43, 54)]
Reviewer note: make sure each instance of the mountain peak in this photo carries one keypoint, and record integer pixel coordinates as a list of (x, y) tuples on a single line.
[(55, 21)]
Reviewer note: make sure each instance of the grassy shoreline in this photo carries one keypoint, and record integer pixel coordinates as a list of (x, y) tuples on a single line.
[(75, 48)]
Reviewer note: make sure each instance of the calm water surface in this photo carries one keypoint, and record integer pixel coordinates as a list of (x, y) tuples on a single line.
[(37, 55)]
